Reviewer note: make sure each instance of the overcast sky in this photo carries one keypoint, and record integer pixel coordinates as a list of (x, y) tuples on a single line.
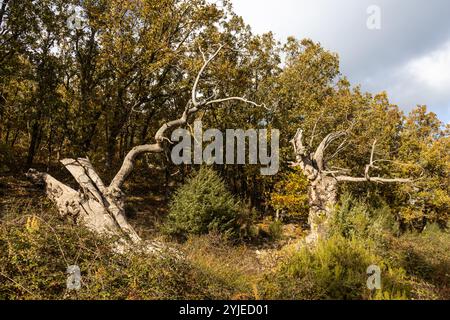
[(409, 56)]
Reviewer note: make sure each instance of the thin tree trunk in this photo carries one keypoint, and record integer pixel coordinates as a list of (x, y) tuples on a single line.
[(14, 139), (33, 144), (8, 128)]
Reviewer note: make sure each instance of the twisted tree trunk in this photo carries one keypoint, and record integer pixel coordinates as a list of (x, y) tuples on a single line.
[(323, 183), (101, 208), (322, 199)]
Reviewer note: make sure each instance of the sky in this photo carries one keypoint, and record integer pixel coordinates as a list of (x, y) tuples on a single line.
[(398, 46)]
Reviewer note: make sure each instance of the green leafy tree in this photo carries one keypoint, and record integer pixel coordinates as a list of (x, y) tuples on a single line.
[(290, 196), (426, 142)]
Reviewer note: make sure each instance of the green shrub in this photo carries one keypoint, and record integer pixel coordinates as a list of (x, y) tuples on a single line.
[(425, 257), (334, 269), (276, 230), (37, 248), (202, 205), (355, 218)]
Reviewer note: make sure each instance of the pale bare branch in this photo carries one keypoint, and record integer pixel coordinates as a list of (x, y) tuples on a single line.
[(341, 147), (128, 163), (373, 151), (319, 154), (191, 107), (313, 134), (202, 53), (373, 179), (236, 99), (297, 142), (200, 73)]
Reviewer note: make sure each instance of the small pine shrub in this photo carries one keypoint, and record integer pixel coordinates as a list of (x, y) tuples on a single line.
[(203, 205)]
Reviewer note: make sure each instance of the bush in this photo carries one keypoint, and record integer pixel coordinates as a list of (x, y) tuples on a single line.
[(425, 257), (36, 249), (203, 205), (334, 269), (276, 230), (356, 219)]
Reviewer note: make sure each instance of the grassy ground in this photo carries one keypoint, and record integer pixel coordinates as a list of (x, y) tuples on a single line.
[(36, 248)]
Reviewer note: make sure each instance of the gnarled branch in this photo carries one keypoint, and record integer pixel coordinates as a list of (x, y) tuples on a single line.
[(373, 179), (367, 176), (315, 164), (319, 154), (192, 107), (303, 159)]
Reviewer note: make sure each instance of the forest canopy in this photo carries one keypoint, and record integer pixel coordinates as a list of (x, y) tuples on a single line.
[(96, 78)]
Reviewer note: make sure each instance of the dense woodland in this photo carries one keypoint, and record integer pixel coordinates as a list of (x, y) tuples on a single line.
[(95, 78)]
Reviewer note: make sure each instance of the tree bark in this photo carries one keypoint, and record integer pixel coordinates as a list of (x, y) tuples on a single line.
[(97, 207), (322, 199), (101, 208), (323, 184)]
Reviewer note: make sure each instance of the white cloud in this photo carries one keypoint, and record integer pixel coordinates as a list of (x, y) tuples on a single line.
[(401, 58), (432, 69), (420, 80)]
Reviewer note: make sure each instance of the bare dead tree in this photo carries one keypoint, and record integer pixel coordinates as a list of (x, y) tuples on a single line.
[(101, 208), (322, 193)]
